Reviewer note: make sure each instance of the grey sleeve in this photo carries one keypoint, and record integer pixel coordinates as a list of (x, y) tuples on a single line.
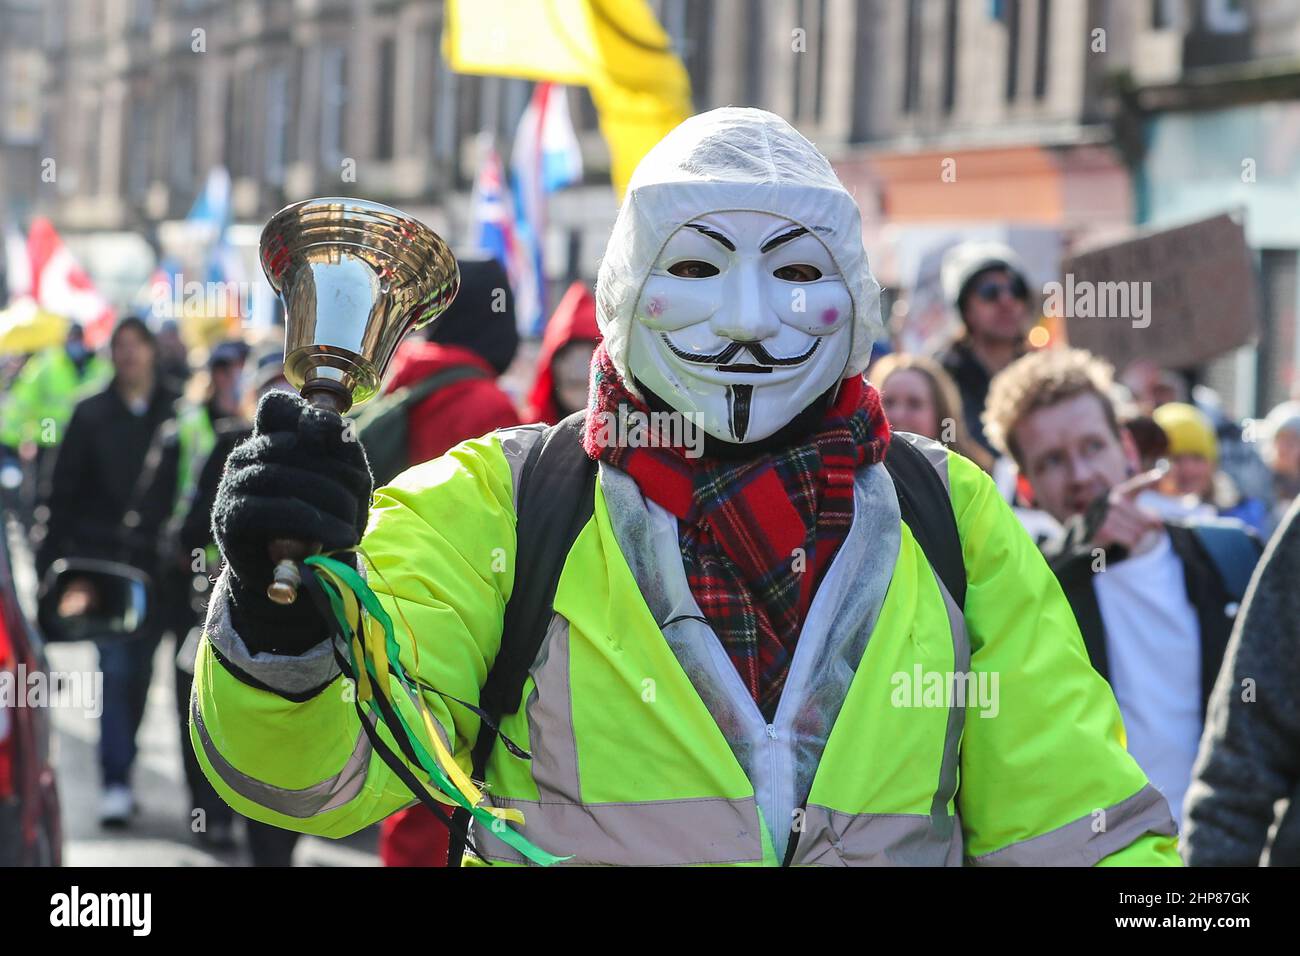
[(1250, 751), (290, 674)]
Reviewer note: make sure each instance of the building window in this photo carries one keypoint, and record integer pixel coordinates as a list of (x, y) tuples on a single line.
[(1010, 11), (801, 22), (1219, 34), (583, 110), (469, 121), (912, 57), (1225, 16), (1041, 47), (55, 34), (277, 123), (89, 182), (491, 98), (180, 145), (697, 50), (950, 56), (293, 124), (1273, 369), (444, 108), (140, 135), (334, 93), (810, 63), (384, 109), (864, 38), (515, 95), (234, 129), (672, 17), (819, 62), (756, 62)]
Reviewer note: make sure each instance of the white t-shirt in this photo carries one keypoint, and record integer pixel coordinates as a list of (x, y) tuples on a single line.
[(1175, 507), (1153, 643)]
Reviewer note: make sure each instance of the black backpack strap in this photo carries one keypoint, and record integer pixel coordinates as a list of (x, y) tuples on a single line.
[(926, 508), (554, 502), (556, 499), (416, 392)]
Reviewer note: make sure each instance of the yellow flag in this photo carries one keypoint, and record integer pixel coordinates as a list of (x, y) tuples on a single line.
[(616, 48)]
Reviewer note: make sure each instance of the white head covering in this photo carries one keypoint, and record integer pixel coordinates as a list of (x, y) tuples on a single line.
[(731, 159), (968, 259), (1283, 417)]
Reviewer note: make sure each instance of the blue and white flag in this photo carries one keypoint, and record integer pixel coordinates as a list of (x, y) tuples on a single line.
[(212, 205), (545, 158)]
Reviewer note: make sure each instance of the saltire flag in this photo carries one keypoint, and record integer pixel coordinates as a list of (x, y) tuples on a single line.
[(212, 205), (60, 285), (493, 232)]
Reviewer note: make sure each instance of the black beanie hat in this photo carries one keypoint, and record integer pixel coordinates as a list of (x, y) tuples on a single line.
[(482, 316)]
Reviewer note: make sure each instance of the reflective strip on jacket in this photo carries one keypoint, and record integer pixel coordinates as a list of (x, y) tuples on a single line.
[(646, 749)]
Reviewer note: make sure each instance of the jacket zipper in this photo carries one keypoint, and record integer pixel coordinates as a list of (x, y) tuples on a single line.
[(778, 749)]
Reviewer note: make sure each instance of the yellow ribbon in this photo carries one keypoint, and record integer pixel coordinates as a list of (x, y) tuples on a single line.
[(374, 646)]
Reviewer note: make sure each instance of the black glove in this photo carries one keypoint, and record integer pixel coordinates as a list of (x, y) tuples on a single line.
[(295, 477)]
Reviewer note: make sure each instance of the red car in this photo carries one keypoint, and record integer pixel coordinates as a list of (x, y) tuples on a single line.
[(30, 830)]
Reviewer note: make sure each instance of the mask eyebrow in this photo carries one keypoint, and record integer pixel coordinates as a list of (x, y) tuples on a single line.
[(712, 234), (782, 239)]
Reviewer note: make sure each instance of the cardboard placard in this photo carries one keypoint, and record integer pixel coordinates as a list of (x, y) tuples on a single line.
[(1178, 297)]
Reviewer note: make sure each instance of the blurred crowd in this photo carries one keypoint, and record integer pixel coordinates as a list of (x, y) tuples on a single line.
[(1150, 503), (1151, 506)]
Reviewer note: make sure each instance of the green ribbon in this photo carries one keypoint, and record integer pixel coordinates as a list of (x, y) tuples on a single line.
[(370, 603)]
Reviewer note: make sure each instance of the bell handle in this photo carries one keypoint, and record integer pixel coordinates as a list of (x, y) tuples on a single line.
[(286, 552), (327, 394)]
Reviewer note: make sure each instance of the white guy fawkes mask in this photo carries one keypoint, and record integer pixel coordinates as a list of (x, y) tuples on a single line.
[(712, 343), (743, 321)]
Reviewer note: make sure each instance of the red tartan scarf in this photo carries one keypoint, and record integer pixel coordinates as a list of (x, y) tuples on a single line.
[(756, 535)]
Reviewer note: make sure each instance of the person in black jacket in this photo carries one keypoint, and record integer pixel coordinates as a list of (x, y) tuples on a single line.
[(108, 496), (1154, 600), (268, 845), (1250, 755)]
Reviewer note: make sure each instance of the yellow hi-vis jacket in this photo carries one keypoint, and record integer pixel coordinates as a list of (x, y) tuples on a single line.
[(907, 732), (40, 400)]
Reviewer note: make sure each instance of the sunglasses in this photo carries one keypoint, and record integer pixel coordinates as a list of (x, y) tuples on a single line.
[(992, 291)]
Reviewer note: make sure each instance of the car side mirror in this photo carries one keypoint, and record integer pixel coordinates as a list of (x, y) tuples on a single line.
[(83, 599)]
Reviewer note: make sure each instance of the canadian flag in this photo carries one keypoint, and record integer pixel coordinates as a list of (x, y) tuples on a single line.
[(60, 285)]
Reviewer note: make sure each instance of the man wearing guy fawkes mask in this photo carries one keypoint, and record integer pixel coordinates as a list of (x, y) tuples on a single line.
[(749, 657)]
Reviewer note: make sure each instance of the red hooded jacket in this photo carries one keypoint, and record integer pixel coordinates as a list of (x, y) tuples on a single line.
[(465, 409), (574, 320)]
